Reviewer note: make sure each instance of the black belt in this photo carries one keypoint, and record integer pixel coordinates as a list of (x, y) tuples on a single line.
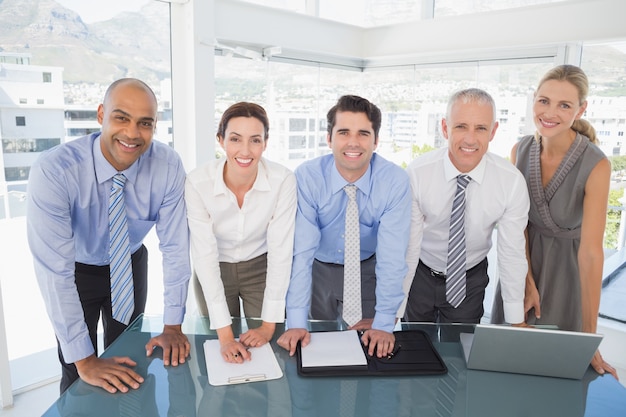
[(439, 274)]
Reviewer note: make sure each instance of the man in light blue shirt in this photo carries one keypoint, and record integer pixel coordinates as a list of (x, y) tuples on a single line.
[(384, 205), (68, 233)]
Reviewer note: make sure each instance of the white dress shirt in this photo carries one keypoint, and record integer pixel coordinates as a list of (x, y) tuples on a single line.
[(223, 232), (497, 197)]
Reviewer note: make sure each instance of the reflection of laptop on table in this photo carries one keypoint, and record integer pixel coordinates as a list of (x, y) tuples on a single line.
[(529, 350)]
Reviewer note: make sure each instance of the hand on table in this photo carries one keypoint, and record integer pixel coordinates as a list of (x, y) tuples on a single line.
[(379, 342), (289, 340), (112, 374), (601, 367), (259, 336), (174, 343)]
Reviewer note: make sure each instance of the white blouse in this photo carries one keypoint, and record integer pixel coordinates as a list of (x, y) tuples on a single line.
[(223, 232)]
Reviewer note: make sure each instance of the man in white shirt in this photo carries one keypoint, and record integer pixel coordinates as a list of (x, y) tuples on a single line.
[(495, 195)]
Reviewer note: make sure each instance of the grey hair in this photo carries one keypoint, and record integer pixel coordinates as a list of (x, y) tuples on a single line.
[(471, 95)]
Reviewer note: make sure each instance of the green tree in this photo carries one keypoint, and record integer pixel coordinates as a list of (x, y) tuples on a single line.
[(613, 219), (417, 150), (618, 163)]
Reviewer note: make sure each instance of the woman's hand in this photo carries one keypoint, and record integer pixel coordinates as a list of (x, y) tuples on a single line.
[(234, 352), (531, 298), (259, 336), (601, 367)]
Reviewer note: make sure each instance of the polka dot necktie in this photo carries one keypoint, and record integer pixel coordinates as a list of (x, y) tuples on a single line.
[(352, 261)]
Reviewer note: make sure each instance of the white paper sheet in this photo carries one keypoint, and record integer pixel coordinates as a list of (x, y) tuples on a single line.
[(262, 367), (341, 348)]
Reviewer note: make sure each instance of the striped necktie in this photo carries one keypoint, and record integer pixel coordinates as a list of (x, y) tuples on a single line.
[(455, 271), (352, 261), (122, 294)]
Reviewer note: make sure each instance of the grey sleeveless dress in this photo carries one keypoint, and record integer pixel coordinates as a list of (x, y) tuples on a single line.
[(555, 219)]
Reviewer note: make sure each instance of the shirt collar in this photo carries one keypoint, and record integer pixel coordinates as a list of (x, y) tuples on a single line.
[(337, 182), (104, 170), (261, 182), (477, 174)]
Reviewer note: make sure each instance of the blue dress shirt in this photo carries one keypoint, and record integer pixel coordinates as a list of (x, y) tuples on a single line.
[(384, 201), (67, 222)]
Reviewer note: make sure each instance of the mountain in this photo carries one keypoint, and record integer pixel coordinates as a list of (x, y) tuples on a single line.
[(134, 44)]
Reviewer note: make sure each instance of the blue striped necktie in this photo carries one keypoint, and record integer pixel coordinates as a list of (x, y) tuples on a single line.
[(122, 294), (455, 271)]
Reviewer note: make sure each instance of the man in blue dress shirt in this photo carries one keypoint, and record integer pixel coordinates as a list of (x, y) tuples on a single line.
[(384, 208), (68, 233)]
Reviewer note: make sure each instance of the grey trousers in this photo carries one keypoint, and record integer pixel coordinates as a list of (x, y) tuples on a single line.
[(245, 280), (327, 289)]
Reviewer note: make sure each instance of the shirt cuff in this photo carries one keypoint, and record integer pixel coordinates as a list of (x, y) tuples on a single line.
[(297, 318), (384, 322), (273, 311), (173, 315), (513, 312), (78, 349), (219, 316)]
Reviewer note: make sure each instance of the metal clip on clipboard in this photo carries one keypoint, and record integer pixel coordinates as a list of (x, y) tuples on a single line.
[(246, 378)]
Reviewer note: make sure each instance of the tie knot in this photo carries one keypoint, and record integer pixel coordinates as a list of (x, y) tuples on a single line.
[(463, 180), (119, 180), (350, 190)]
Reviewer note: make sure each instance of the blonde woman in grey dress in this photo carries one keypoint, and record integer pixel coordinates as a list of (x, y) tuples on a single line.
[(568, 181)]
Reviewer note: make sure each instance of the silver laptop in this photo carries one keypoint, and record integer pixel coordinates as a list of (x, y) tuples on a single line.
[(530, 351)]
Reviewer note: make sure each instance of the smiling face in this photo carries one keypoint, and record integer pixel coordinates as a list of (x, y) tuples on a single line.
[(244, 142), (556, 106), (128, 119), (353, 142), (469, 128)]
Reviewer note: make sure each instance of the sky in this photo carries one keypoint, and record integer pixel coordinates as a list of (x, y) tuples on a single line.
[(95, 10)]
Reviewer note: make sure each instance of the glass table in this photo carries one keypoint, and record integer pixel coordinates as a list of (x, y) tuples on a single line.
[(184, 390)]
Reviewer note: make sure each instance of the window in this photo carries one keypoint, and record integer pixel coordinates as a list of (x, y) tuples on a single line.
[(23, 100), (47, 77), (17, 173), (20, 121), (28, 145), (81, 131), (40, 101)]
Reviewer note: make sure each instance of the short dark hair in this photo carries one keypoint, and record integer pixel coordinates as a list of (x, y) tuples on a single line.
[(354, 104), (243, 109)]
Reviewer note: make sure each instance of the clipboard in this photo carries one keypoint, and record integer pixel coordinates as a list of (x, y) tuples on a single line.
[(416, 356), (262, 367)]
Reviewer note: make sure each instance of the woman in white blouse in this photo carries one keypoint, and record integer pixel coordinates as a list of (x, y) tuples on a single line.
[(241, 211)]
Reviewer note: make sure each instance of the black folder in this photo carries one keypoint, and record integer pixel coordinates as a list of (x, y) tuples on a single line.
[(416, 356)]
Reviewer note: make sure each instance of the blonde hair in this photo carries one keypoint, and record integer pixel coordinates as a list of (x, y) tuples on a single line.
[(575, 76)]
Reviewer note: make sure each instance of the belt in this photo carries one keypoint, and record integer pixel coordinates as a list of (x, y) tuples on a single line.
[(442, 275)]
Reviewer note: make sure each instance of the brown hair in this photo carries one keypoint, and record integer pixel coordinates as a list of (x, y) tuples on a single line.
[(575, 76), (355, 104), (243, 109)]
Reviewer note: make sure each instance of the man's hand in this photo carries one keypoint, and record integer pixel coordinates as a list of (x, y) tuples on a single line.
[(174, 343), (379, 342), (259, 336), (109, 373), (289, 340)]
